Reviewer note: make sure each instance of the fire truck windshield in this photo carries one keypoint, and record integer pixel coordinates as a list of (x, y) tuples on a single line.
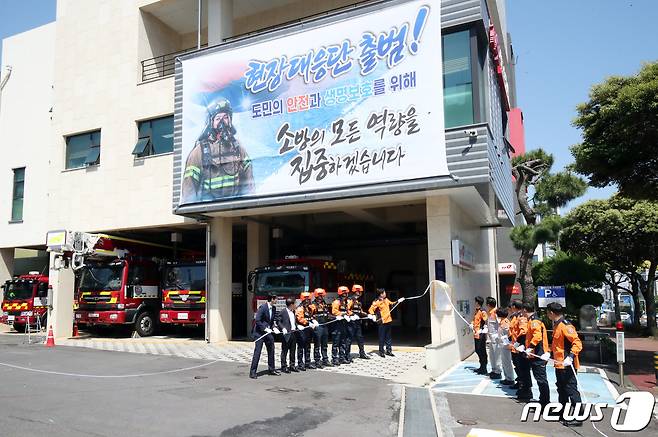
[(282, 282), (101, 277), (185, 278), (19, 290)]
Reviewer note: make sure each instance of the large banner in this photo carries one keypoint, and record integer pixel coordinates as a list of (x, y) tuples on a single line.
[(355, 102)]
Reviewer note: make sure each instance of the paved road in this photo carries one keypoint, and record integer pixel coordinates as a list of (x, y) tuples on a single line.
[(465, 401), (215, 400)]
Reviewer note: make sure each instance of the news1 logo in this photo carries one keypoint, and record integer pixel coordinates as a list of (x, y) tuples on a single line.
[(638, 411)]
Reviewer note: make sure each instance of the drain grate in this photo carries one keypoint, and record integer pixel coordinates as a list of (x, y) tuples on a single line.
[(467, 422)]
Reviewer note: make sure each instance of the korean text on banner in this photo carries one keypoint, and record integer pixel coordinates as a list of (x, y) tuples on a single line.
[(350, 102)]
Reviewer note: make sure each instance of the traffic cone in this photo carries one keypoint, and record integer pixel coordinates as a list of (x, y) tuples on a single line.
[(50, 340), (75, 329)]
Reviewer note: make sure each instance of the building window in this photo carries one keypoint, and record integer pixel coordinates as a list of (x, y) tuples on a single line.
[(17, 196), (83, 150), (155, 137), (457, 79)]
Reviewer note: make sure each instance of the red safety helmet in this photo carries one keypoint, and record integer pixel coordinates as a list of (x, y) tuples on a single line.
[(342, 290), (320, 292), (356, 288), (305, 295)]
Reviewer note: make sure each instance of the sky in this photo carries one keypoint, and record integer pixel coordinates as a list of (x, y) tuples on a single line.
[(562, 48), (17, 16)]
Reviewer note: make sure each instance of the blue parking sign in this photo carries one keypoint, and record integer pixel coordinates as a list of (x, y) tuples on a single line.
[(548, 294)]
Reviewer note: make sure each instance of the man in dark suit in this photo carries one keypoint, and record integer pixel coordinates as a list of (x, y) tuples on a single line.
[(285, 321), (264, 322)]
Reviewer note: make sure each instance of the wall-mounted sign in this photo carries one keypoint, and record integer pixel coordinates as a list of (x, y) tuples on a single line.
[(513, 289), (462, 255), (501, 74), (506, 269), (548, 294), (353, 102)]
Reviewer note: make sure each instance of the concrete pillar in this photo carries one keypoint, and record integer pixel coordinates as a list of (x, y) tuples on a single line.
[(61, 314), (6, 267), (444, 350), (220, 302), (492, 260), (258, 251), (438, 248), (220, 21)]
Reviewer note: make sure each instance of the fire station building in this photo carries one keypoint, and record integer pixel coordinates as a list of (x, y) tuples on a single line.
[(374, 134)]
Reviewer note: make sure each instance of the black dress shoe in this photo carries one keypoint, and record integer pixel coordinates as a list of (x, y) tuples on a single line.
[(311, 366), (335, 363), (381, 354), (274, 373), (285, 370), (319, 365), (302, 368), (364, 357), (515, 386), (390, 354), (253, 376), (294, 369), (495, 376), (507, 382), (327, 364), (481, 371)]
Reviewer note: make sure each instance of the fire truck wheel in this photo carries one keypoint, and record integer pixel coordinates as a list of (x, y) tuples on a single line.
[(20, 327), (145, 324)]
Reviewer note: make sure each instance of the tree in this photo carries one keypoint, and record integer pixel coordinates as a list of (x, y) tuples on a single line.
[(579, 276), (549, 192), (620, 134), (622, 235)]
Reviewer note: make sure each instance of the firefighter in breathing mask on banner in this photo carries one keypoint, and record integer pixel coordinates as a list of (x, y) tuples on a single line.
[(218, 166)]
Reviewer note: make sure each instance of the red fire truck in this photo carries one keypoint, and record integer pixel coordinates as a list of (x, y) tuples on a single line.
[(119, 283), (290, 276), (25, 301), (184, 293)]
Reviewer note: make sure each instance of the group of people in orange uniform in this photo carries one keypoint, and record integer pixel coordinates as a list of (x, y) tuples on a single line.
[(517, 344), (312, 322)]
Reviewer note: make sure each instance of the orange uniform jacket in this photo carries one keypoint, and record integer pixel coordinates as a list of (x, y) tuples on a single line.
[(565, 342), (336, 307), (479, 320), (303, 317), (536, 338), (384, 308), (520, 329)]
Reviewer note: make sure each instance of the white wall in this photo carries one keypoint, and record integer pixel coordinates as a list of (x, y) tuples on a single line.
[(96, 87), (446, 221), (25, 132)]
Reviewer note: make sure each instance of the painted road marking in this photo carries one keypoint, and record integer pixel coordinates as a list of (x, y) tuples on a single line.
[(461, 379), (481, 432)]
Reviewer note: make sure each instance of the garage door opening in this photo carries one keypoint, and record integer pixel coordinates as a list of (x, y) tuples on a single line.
[(147, 283), (378, 248)]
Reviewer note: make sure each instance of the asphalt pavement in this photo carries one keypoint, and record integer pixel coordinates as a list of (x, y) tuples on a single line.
[(217, 399)]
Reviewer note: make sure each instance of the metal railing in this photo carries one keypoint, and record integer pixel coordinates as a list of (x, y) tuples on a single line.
[(163, 65)]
